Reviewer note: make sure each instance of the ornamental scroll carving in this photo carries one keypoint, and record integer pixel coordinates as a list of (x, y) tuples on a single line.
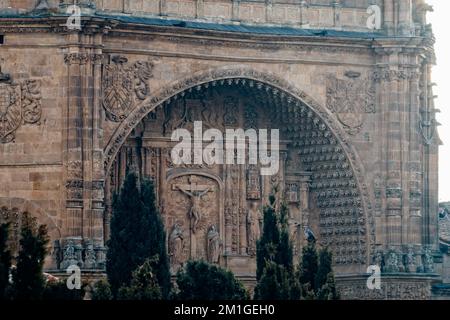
[(124, 85), (350, 99), (20, 103)]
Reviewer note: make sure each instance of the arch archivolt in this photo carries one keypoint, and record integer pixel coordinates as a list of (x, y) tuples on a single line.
[(316, 131)]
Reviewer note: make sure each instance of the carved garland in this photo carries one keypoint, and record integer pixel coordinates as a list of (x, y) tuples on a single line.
[(244, 73)]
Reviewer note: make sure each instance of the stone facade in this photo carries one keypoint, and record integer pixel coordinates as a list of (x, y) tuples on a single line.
[(359, 150)]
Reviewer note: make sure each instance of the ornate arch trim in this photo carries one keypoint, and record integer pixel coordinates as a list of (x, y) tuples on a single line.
[(264, 77)]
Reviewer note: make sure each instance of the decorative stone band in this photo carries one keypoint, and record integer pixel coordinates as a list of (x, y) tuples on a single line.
[(393, 287), (390, 75), (83, 58)]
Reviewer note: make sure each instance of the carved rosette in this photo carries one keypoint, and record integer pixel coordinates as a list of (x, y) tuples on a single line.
[(20, 103), (350, 99), (123, 86)]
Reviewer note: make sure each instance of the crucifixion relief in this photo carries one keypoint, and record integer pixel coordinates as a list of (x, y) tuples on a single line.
[(196, 192)]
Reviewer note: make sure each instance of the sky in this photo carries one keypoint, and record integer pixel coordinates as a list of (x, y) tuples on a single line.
[(440, 19)]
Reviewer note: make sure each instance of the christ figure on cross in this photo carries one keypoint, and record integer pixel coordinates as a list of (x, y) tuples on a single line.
[(195, 193)]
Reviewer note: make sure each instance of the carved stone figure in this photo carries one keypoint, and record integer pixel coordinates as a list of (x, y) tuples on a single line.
[(195, 193), (253, 227), (70, 255), (231, 110), (214, 245), (176, 246), (378, 259), (392, 262), (410, 261), (428, 261), (253, 183), (90, 259)]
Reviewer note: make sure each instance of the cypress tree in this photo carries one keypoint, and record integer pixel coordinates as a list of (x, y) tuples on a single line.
[(266, 247), (5, 260), (28, 278), (274, 257), (157, 238), (137, 234), (325, 282), (308, 270)]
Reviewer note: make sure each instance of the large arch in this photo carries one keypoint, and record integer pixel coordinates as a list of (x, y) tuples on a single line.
[(318, 116)]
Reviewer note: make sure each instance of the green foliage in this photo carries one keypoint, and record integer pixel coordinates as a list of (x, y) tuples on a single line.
[(58, 291), (202, 281), (274, 257), (102, 291), (137, 233), (5, 260), (308, 270), (28, 279), (276, 284), (157, 238), (144, 284), (316, 274)]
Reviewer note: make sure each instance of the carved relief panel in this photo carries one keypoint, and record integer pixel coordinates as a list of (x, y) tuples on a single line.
[(193, 211)]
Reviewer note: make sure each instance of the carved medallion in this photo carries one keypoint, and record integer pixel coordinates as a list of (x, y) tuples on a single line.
[(20, 103), (350, 99), (124, 85)]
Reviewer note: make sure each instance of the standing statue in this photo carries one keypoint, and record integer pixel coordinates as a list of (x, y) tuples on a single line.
[(214, 245), (410, 261), (253, 227), (195, 212), (392, 263), (428, 261), (176, 245)]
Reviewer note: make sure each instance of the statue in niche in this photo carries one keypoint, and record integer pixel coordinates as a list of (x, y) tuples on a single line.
[(90, 260), (176, 245), (214, 245), (292, 193), (254, 218), (69, 255), (253, 183), (410, 261), (428, 261)]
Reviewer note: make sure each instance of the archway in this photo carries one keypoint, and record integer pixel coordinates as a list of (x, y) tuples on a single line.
[(336, 183)]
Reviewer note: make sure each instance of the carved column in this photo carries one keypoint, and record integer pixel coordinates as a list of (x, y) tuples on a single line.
[(269, 10), (83, 153), (413, 232), (199, 9), (304, 21), (389, 16), (337, 6), (162, 8), (405, 24), (235, 13)]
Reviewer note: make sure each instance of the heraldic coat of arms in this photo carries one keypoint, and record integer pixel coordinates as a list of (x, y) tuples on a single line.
[(122, 85), (350, 100), (20, 103)]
